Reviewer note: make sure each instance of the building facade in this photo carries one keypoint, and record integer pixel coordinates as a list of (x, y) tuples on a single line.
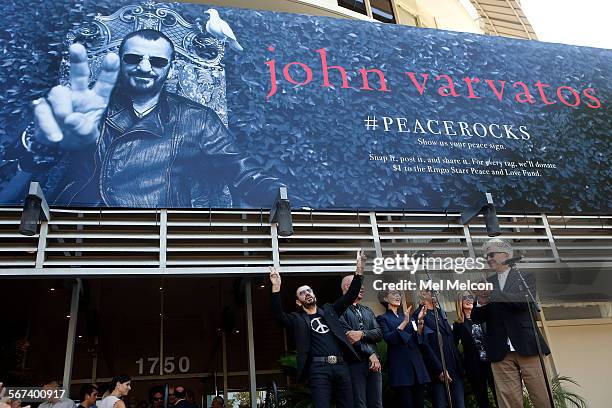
[(182, 296)]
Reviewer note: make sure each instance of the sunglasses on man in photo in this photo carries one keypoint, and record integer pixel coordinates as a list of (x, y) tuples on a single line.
[(135, 59)]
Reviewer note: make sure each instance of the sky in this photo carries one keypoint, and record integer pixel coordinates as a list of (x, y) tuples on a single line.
[(577, 22)]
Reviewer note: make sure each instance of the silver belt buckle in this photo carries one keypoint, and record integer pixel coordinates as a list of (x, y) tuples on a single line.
[(332, 359)]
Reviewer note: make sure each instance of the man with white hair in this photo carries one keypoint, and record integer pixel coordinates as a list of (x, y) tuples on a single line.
[(510, 341), (363, 332)]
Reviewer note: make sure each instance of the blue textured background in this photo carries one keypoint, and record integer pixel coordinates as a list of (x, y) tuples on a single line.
[(313, 137)]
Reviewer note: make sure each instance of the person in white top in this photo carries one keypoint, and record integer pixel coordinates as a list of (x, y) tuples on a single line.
[(56, 402), (120, 386)]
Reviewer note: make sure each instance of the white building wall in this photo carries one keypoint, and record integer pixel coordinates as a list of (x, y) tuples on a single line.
[(582, 349), (456, 15)]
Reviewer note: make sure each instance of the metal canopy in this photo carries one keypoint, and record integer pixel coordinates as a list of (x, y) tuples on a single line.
[(108, 242), (504, 18)]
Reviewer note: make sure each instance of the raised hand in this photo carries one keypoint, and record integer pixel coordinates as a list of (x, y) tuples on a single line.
[(361, 261), (483, 296), (406, 319), (275, 279), (70, 116), (422, 313), (408, 313)]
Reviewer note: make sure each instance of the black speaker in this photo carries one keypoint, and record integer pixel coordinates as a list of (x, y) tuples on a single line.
[(491, 221), (30, 216)]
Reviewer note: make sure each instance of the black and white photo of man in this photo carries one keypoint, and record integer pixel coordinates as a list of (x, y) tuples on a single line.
[(145, 146)]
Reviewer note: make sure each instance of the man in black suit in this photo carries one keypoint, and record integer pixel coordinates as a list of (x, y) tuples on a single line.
[(510, 341), (322, 345)]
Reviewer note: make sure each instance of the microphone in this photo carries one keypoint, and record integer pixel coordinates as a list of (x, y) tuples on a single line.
[(513, 261)]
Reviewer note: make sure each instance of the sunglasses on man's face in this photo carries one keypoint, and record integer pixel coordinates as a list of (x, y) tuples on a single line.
[(135, 59), (492, 254), (304, 292)]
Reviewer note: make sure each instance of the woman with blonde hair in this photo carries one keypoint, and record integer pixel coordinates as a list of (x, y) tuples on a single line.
[(471, 336)]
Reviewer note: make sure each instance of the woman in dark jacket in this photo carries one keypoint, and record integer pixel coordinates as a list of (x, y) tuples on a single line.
[(433, 359), (471, 336), (407, 372)]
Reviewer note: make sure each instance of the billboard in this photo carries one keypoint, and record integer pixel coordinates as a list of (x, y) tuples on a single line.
[(183, 105)]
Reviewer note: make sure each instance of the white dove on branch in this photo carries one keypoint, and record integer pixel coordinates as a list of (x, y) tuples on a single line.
[(219, 29)]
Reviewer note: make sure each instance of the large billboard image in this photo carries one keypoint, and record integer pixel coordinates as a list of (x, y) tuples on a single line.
[(162, 105)]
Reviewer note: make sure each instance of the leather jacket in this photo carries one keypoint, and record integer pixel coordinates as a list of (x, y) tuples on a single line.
[(299, 323), (161, 160), (367, 323)]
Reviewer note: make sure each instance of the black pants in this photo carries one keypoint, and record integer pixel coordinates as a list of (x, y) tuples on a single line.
[(330, 382), (479, 377), (438, 392), (411, 396), (367, 385)]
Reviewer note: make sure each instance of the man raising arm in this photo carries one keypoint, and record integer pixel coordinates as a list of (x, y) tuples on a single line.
[(321, 342)]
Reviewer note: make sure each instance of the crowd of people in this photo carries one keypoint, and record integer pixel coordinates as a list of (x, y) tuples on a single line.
[(115, 395), (490, 347)]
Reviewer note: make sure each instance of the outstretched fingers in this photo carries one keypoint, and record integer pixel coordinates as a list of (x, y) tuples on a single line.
[(46, 121), (108, 76), (361, 258), (60, 99), (79, 68)]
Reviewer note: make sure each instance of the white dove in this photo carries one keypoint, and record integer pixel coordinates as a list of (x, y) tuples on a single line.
[(219, 29)]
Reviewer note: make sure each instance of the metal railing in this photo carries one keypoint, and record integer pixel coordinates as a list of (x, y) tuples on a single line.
[(80, 242)]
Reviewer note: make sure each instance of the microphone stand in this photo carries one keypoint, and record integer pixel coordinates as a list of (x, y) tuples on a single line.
[(531, 301), (434, 297), (165, 401)]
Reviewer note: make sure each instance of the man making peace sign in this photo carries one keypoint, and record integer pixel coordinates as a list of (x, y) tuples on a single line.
[(322, 345), (126, 141)]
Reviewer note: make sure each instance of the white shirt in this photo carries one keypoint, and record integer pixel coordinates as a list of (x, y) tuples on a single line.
[(501, 277), (63, 403), (108, 402)]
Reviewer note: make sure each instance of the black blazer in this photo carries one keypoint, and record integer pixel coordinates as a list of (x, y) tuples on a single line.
[(300, 324), (404, 359), (507, 316)]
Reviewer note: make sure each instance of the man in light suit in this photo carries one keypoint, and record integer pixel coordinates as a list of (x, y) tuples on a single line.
[(510, 341)]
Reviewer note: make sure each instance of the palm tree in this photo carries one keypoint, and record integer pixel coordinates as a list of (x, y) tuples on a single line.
[(562, 397)]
